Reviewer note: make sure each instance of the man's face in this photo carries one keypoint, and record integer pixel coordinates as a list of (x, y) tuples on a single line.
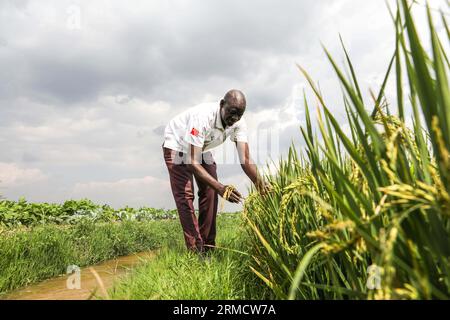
[(231, 112)]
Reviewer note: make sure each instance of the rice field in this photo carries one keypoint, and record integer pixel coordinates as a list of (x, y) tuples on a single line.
[(365, 215)]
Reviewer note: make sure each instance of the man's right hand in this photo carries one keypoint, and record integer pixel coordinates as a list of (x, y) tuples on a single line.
[(235, 196), (263, 187)]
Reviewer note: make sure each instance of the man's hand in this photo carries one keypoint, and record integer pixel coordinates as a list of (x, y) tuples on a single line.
[(263, 187), (234, 197)]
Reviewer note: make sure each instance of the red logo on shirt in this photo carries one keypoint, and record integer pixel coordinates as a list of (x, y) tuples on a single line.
[(194, 132)]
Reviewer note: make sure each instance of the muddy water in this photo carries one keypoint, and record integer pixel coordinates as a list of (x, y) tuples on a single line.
[(94, 281)]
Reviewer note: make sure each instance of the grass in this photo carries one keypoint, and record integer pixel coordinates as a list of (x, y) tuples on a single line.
[(31, 255), (178, 274)]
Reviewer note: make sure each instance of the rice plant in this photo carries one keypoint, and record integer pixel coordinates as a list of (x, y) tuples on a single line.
[(365, 216)]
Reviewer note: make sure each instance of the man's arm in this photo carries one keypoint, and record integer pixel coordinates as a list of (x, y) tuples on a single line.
[(249, 167), (203, 175), (246, 161)]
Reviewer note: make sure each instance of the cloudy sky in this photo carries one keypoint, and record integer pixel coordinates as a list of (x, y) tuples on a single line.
[(88, 86)]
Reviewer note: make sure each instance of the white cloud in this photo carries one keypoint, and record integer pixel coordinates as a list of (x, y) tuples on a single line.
[(146, 191), (12, 175)]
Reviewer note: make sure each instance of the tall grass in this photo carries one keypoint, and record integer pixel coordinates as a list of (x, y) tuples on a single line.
[(27, 256), (377, 200), (178, 274)]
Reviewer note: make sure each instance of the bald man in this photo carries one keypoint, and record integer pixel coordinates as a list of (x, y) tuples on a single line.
[(187, 139)]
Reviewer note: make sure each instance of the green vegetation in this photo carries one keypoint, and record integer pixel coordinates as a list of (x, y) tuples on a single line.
[(22, 213), (379, 197), (31, 250), (177, 274), (27, 256), (347, 211)]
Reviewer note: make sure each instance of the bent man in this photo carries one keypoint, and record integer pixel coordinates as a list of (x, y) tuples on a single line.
[(187, 139)]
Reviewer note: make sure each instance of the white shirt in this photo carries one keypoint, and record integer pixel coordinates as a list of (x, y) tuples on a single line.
[(201, 126)]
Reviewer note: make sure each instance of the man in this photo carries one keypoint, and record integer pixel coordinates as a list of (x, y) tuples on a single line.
[(187, 139)]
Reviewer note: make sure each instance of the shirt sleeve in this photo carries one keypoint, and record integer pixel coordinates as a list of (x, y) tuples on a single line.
[(240, 132), (195, 131)]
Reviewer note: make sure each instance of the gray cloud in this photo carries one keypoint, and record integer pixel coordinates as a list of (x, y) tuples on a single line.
[(86, 106), (150, 52)]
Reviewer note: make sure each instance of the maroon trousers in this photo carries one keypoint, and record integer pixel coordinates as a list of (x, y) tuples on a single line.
[(200, 234)]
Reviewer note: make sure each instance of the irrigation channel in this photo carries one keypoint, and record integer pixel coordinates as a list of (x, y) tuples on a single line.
[(94, 281)]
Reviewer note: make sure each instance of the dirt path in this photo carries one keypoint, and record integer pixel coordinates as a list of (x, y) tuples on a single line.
[(94, 281)]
